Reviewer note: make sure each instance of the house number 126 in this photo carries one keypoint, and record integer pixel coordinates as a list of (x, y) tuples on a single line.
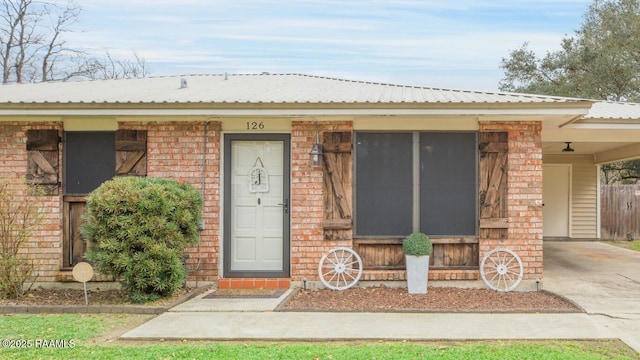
[(254, 125)]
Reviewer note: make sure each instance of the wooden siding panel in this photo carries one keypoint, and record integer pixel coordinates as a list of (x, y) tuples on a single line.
[(386, 254), (584, 201)]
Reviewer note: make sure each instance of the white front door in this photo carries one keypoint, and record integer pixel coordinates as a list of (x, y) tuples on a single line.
[(556, 199), (256, 206)]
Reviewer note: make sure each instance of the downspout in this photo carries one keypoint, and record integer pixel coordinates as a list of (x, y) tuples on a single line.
[(598, 202)]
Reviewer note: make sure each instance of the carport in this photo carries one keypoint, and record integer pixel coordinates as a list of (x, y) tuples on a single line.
[(572, 154)]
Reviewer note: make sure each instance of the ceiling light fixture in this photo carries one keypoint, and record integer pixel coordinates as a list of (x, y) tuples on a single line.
[(568, 148)]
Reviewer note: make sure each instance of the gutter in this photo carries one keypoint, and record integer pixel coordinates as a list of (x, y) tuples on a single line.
[(578, 112)]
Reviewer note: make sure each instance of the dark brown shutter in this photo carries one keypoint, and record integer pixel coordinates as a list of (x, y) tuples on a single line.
[(337, 185), (43, 159), (131, 152), (494, 151)]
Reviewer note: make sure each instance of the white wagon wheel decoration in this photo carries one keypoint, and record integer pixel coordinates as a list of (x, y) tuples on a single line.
[(501, 269), (340, 268)]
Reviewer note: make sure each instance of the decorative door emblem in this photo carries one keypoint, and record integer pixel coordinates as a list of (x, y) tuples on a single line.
[(258, 178)]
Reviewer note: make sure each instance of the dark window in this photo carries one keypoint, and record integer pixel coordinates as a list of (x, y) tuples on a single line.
[(90, 160), (384, 184), (386, 165), (448, 183)]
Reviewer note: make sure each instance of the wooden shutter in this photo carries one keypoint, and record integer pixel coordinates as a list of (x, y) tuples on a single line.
[(337, 185), (494, 151), (131, 152), (43, 159)]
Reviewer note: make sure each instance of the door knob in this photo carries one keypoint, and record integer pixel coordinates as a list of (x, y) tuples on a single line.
[(285, 204)]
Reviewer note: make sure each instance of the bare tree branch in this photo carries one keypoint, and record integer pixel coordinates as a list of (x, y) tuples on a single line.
[(55, 47), (33, 46)]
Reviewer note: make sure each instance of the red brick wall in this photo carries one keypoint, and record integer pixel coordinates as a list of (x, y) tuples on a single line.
[(307, 201), (524, 194), (45, 246), (175, 151), (524, 204)]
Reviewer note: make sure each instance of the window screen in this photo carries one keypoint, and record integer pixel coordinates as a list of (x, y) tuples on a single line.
[(90, 160), (384, 184), (448, 183)]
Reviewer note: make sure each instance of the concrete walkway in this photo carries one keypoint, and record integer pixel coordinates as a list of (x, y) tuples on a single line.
[(228, 319)]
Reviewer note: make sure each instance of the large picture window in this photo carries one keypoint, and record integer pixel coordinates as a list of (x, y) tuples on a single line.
[(384, 189), (409, 182), (448, 183)]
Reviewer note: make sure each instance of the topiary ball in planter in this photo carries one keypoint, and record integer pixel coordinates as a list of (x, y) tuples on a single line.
[(417, 247), (417, 244)]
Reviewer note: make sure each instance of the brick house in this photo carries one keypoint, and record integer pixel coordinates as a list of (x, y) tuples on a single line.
[(464, 167)]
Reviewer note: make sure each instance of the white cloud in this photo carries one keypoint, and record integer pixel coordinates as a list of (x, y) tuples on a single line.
[(447, 42)]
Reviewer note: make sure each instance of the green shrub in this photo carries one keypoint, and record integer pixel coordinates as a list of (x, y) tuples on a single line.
[(138, 230), (417, 244)]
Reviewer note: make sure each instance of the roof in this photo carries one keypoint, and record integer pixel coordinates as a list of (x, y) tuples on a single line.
[(253, 89), (606, 110)]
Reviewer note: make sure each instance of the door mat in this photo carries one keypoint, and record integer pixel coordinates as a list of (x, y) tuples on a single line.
[(245, 294)]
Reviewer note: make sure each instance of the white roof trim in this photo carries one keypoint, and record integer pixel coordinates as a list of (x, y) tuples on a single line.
[(295, 112), (603, 126)]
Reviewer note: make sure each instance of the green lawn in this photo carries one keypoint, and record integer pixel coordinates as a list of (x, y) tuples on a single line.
[(632, 245), (90, 333)]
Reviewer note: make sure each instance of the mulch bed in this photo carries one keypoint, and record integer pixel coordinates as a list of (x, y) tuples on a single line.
[(437, 299), (70, 297), (374, 299)]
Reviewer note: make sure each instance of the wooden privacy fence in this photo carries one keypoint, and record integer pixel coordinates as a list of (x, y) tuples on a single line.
[(620, 212)]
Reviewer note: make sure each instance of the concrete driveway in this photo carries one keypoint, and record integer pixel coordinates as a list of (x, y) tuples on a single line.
[(603, 279)]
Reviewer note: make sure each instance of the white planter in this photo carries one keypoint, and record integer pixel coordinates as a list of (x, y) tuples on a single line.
[(417, 273)]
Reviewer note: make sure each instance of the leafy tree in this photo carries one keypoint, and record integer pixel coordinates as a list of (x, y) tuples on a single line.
[(601, 61), (33, 46), (138, 230), (624, 172)]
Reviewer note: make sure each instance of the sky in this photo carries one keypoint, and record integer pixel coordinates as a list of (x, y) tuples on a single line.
[(455, 44)]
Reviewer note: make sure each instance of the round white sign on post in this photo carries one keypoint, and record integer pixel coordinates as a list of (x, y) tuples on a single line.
[(82, 272)]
